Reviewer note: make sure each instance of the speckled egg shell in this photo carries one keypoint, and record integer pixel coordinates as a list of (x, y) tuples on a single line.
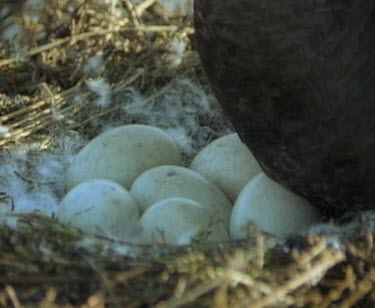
[(272, 208), (228, 163), (121, 154), (165, 182), (100, 207), (177, 221)]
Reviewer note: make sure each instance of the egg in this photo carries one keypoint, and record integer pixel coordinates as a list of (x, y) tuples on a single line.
[(101, 207), (164, 182), (121, 154), (228, 163), (272, 208), (177, 221)]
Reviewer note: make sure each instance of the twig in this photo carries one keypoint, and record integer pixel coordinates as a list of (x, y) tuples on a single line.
[(41, 279), (39, 113), (191, 295), (96, 115), (143, 6), (37, 105), (133, 12), (312, 253), (103, 277), (328, 260), (238, 277), (121, 86), (362, 289), (13, 296), (82, 36)]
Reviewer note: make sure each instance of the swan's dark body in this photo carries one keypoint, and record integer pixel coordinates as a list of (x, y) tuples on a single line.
[(297, 80)]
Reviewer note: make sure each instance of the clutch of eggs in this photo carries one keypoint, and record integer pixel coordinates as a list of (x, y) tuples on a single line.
[(127, 183)]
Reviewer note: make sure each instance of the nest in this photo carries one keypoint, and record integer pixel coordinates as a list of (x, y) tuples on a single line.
[(69, 73)]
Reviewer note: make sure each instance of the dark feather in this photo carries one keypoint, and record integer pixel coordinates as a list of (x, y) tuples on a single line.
[(297, 80)]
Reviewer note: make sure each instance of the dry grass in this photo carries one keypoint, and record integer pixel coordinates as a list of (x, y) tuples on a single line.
[(45, 264), (50, 71)]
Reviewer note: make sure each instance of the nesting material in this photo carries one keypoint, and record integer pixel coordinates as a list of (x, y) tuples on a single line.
[(228, 163), (47, 264), (101, 207), (165, 182), (177, 221), (121, 154), (272, 208), (6, 211)]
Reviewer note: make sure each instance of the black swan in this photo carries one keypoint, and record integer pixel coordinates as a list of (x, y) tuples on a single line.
[(297, 80)]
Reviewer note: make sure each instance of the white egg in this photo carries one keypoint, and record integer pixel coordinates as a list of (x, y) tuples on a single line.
[(228, 163), (101, 207), (272, 208), (177, 221), (121, 154), (164, 182)]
